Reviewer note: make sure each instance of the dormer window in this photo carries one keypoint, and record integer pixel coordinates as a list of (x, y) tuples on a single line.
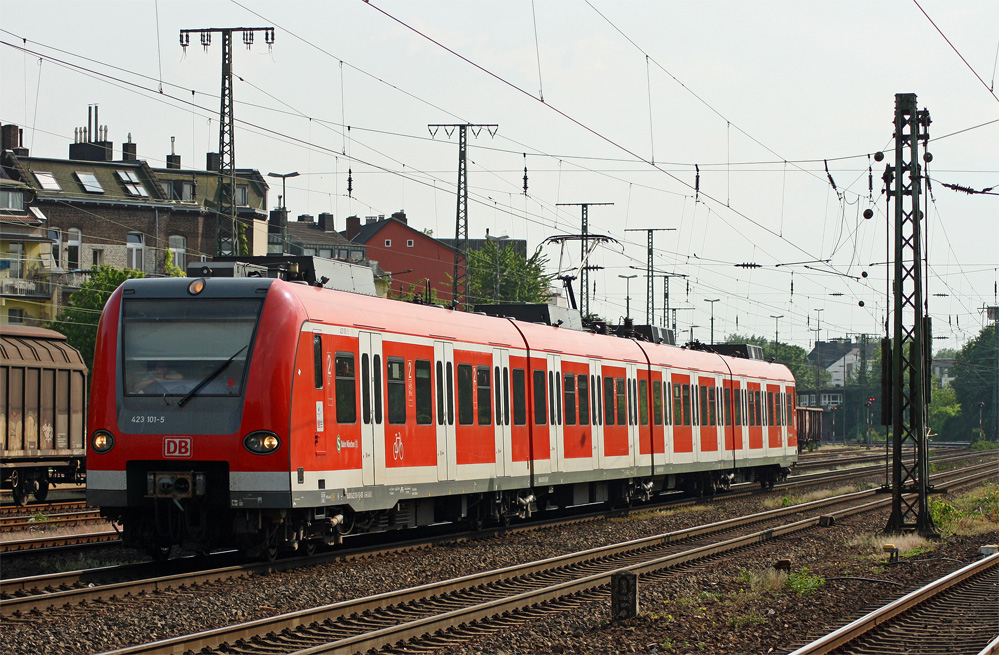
[(90, 182), (133, 186), (47, 181)]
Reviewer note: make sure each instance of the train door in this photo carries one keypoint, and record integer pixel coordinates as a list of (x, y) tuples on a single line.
[(683, 439), (708, 413), (634, 448), (555, 412), (773, 418), (447, 461), (372, 420), (501, 394), (596, 414)]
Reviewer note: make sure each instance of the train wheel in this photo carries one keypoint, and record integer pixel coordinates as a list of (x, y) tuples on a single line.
[(18, 489), (270, 553), (310, 548), (42, 490)]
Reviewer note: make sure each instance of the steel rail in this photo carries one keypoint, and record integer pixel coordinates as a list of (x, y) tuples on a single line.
[(866, 624)]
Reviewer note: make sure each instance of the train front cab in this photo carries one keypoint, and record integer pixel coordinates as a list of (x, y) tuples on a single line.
[(182, 435)]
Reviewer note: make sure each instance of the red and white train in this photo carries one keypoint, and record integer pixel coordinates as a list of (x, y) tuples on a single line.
[(265, 414)]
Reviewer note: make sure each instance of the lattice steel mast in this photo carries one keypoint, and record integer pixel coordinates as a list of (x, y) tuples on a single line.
[(459, 283), (910, 352), (650, 303), (584, 271), (226, 227)]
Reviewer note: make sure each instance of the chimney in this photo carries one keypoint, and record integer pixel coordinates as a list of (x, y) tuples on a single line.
[(213, 162), (173, 161), (326, 222), (128, 152), (353, 227), (368, 220), (401, 217), (9, 136), (305, 218)]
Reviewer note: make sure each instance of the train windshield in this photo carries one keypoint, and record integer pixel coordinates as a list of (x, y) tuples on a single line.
[(170, 347)]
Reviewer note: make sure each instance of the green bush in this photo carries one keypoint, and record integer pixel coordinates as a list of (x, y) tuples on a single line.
[(804, 583)]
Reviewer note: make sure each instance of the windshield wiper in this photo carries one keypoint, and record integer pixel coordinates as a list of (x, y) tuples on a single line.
[(211, 376)]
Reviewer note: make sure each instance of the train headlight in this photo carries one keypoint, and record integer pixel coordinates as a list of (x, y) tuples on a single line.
[(102, 441), (261, 443)]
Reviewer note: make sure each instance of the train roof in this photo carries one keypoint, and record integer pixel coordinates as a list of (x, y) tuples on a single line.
[(22, 345), (427, 320)]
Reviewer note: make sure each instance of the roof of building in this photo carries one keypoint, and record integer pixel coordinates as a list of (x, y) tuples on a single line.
[(371, 228), (87, 181), (308, 234)]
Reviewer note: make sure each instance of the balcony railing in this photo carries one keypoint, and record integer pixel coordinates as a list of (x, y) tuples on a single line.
[(26, 287)]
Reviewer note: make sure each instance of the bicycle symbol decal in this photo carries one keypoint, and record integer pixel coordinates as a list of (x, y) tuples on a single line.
[(397, 448)]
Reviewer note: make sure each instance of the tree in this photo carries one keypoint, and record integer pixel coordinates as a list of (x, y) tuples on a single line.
[(78, 321), (943, 410), (498, 273), (974, 381), (793, 357)]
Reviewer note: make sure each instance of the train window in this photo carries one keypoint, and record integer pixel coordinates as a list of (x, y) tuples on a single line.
[(737, 402), (751, 413), (440, 393), (685, 410), (424, 393), (622, 401), (704, 404), (609, 400), (346, 388), (595, 399), (759, 407), (558, 399), (551, 398), (365, 389), (657, 402), (668, 403), (569, 386), (712, 406), (484, 393), (643, 402), (450, 393), (377, 368), (506, 396), (466, 382), (770, 408), (519, 396), (727, 404), (539, 397), (496, 386), (317, 359), (395, 374), (583, 382), (630, 386)]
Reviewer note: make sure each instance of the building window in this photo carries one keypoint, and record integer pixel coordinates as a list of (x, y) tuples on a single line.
[(73, 249), (55, 236), (15, 255), (178, 190), (98, 254), (242, 195), (133, 186), (15, 316), (12, 200), (326, 252), (178, 251), (47, 181), (134, 255), (90, 182), (356, 255), (409, 243), (388, 243)]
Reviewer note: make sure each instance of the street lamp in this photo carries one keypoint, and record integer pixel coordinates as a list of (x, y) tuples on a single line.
[(712, 317), (692, 332), (627, 298), (776, 326), (284, 195)]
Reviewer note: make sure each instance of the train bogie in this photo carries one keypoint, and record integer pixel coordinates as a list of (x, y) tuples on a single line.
[(296, 415)]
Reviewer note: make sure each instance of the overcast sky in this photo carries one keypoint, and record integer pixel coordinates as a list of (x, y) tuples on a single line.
[(603, 102)]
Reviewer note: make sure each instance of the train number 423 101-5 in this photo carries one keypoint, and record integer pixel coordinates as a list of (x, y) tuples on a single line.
[(148, 419)]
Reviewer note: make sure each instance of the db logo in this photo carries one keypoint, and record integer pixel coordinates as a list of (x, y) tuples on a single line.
[(179, 447)]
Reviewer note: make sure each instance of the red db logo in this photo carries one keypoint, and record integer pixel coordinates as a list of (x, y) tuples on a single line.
[(178, 447)]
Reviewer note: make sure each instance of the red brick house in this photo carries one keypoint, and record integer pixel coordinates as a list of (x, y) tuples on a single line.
[(413, 258)]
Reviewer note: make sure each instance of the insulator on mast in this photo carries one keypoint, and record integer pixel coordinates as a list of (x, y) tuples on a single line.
[(350, 183)]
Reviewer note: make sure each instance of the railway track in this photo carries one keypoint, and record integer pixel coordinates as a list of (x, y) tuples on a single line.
[(955, 614), (47, 521), (427, 616), (66, 542), (591, 564)]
